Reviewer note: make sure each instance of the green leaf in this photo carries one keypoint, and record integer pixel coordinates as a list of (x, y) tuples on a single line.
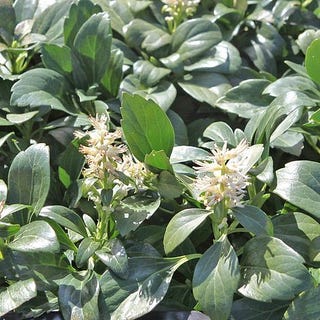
[(299, 183), (78, 14), (305, 306), (8, 229), (148, 74), (41, 86), (254, 220), (93, 45), (115, 258), (181, 226), (205, 86), (220, 132), (271, 270), (3, 191), (146, 127), (297, 230), (148, 282), (65, 217), (86, 249), (18, 118), (29, 177), (17, 294), (113, 76), (246, 99), (7, 21), (194, 37), (312, 61), (216, 278), (314, 251), (57, 58), (187, 153), (133, 210), (168, 185), (37, 236), (78, 297), (158, 160), (256, 310)]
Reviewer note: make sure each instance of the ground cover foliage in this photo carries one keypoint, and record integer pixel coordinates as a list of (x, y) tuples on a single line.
[(160, 155)]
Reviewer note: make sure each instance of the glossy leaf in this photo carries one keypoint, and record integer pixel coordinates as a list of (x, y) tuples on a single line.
[(18, 118), (39, 87), (7, 21), (29, 177), (271, 270), (158, 160), (297, 230), (65, 217), (188, 153), (17, 294), (254, 220), (93, 45), (78, 297), (181, 226), (133, 210), (37, 236), (216, 278), (194, 37), (86, 249), (115, 258), (298, 183), (220, 132), (8, 229), (146, 127)]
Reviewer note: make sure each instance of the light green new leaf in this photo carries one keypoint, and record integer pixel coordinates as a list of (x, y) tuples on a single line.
[(271, 270), (29, 177), (78, 297), (93, 45), (17, 294), (299, 183), (312, 61), (181, 226), (65, 217), (37, 236), (158, 160), (146, 126), (216, 279), (305, 306), (187, 153), (254, 220), (40, 87)]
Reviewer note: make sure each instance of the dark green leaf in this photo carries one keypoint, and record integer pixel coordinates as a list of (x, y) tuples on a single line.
[(133, 210), (271, 270), (194, 37), (306, 306), (7, 21), (146, 127), (78, 297), (17, 294), (39, 87), (216, 278), (254, 220), (65, 217), (86, 249), (115, 258), (29, 177), (37, 236), (181, 226), (168, 185), (297, 230), (256, 310), (314, 252), (78, 14), (93, 45), (299, 183), (57, 58)]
